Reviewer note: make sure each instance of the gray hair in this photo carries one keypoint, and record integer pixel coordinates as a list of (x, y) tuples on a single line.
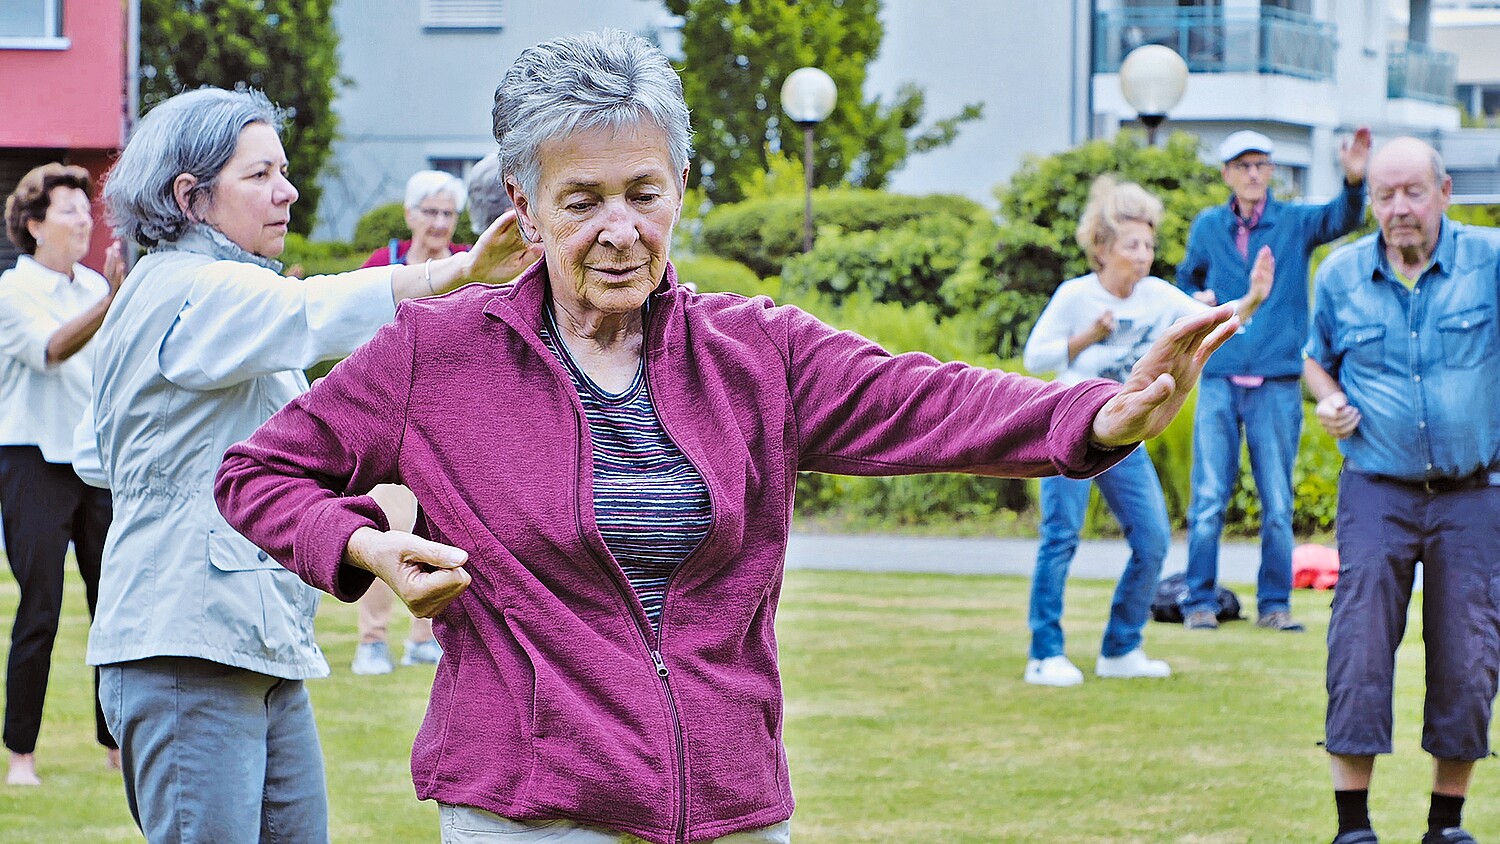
[(608, 79), (487, 196), (194, 133), (425, 183)]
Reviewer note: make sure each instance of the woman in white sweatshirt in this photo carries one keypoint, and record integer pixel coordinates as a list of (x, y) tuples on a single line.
[(1097, 326)]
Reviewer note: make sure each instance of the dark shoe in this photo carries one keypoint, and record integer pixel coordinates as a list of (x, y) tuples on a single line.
[(1201, 620), (1279, 620), (1357, 836), (1451, 835)]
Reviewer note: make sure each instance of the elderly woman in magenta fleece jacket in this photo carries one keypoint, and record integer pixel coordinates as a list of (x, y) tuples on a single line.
[(604, 575)]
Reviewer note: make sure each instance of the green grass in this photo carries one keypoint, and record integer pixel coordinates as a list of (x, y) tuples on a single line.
[(906, 721)]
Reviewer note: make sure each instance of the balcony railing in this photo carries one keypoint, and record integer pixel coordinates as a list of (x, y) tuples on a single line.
[(1213, 41), (1417, 72)]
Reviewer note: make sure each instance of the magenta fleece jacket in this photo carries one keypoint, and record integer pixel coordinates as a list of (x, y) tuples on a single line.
[(555, 697)]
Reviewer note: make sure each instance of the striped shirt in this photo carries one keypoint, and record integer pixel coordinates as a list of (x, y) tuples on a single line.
[(650, 503)]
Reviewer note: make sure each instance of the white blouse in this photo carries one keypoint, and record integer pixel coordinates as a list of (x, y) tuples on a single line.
[(41, 403)]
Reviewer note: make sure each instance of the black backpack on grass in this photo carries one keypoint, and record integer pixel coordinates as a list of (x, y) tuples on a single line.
[(1166, 606)]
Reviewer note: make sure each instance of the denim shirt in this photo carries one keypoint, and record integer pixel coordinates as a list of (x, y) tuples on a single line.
[(1420, 364)]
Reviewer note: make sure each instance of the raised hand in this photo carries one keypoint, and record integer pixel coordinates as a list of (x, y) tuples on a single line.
[(425, 575), (1160, 381), (1262, 277), (501, 254), (1354, 154), (114, 267)]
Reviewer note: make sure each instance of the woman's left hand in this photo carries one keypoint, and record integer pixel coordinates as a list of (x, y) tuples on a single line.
[(500, 254), (1160, 381)]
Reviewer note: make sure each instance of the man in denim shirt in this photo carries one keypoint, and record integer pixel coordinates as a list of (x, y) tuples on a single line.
[(1253, 381), (1403, 361)]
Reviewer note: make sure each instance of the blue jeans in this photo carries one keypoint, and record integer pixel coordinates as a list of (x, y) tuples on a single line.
[(1133, 493), (216, 753), (1271, 416)]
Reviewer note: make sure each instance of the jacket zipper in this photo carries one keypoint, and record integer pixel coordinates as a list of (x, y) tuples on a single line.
[(629, 599)]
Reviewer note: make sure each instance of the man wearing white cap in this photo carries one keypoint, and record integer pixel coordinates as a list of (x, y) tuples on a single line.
[(1252, 382)]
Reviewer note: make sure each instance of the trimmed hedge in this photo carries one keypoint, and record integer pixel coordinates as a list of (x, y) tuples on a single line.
[(763, 233)]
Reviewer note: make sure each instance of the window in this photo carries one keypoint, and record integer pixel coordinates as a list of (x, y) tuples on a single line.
[(463, 14), (32, 24), (453, 166)]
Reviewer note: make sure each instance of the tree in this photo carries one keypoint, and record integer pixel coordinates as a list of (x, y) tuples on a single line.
[(1009, 276), (286, 48), (738, 52)]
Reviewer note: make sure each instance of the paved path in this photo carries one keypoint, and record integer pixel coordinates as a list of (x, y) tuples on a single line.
[(1097, 559)]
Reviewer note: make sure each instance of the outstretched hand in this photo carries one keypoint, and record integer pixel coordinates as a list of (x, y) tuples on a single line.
[(425, 575), (1262, 277), (1160, 381), (500, 254), (114, 266)]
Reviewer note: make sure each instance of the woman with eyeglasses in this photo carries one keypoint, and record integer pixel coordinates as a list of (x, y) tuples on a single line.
[(434, 200)]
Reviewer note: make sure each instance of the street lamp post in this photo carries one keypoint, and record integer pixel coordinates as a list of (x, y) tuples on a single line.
[(1153, 78), (808, 96)]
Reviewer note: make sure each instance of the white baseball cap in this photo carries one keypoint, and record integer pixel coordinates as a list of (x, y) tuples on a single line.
[(1243, 141)]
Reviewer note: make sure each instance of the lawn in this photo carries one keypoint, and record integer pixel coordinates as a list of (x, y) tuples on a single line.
[(906, 721)]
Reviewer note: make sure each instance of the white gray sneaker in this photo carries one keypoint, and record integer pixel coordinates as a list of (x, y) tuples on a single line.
[(372, 658), (1131, 665), (422, 653), (1052, 671)]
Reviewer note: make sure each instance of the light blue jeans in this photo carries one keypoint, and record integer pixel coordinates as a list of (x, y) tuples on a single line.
[(468, 825), (1133, 493), (1271, 416), (214, 753)]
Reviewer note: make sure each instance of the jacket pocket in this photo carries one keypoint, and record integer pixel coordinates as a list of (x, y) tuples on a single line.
[(228, 551), (1468, 337)]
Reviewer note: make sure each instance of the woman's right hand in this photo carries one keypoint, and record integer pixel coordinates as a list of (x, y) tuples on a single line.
[(501, 254), (425, 575)]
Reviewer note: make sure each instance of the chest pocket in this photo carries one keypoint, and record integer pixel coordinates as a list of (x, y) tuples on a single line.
[(1365, 343), (1468, 337)]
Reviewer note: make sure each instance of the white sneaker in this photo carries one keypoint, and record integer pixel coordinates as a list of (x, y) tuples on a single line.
[(1133, 664), (422, 653), (372, 658), (1052, 671)]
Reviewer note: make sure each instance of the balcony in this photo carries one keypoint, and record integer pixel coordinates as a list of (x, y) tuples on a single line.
[(1417, 72), (1274, 41)]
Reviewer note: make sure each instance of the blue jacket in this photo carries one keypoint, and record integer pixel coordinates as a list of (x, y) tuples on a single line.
[(1271, 345)]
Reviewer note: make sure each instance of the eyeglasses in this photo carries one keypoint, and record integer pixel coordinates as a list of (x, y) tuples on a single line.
[(1247, 166), (432, 215)]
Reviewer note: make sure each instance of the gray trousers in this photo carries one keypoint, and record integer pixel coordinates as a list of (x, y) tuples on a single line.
[(468, 825), (216, 754)]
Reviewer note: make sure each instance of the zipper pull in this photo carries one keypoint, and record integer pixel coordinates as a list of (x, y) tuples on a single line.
[(661, 667)]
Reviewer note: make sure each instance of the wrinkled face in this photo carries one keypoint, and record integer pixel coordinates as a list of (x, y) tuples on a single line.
[(1130, 254), (1249, 177), (62, 235), (1407, 200), (603, 211), (432, 222), (251, 203)]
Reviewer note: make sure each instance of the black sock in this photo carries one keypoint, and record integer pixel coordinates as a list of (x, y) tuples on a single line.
[(1354, 809), (1447, 811)]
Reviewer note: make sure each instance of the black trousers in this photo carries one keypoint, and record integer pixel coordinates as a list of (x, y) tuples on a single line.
[(43, 507)]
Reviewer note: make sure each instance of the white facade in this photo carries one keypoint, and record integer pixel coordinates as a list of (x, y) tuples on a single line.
[(420, 95)]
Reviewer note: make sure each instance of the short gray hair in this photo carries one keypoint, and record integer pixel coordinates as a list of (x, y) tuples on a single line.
[(194, 133), (1111, 204), (487, 196), (425, 183), (597, 79)]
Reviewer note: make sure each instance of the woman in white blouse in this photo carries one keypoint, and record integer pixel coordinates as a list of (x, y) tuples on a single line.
[(50, 307), (1097, 326)]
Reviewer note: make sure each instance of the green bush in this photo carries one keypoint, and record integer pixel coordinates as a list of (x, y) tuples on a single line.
[(764, 233), (320, 257), (712, 274), (906, 264), (383, 222)]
